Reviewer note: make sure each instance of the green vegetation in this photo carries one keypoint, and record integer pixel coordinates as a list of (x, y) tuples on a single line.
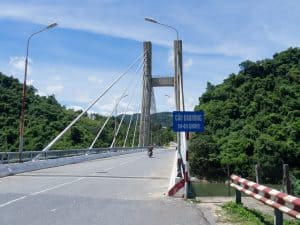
[(45, 118), (252, 117), (237, 214), (160, 128), (161, 132)]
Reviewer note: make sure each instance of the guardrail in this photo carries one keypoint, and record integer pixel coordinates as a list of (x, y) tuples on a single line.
[(13, 157), (281, 202)]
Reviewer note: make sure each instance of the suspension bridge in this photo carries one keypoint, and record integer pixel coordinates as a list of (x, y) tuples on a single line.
[(115, 185)]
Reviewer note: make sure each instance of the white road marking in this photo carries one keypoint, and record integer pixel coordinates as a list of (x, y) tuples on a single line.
[(110, 168), (53, 210), (57, 186), (121, 164), (12, 201)]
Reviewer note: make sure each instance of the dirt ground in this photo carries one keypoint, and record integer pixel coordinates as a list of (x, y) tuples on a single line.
[(211, 206)]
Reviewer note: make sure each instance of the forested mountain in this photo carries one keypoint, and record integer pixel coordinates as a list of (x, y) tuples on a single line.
[(160, 127), (162, 118), (252, 117), (45, 118)]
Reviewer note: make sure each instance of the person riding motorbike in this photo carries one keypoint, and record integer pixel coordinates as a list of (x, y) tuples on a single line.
[(150, 151)]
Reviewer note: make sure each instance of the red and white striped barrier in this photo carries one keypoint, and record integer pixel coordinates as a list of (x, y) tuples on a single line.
[(283, 202), (184, 165)]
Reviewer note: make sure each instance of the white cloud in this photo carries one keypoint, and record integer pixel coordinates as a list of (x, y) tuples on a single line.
[(107, 107), (187, 64), (170, 101), (57, 78), (131, 112), (134, 27), (95, 80), (55, 88), (30, 82), (40, 93), (75, 107), (18, 63), (171, 57), (210, 36), (83, 98), (191, 103)]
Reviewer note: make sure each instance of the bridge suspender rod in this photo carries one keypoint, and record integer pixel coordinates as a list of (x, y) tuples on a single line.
[(131, 117), (116, 134), (123, 116), (107, 119), (124, 145), (136, 122), (91, 105)]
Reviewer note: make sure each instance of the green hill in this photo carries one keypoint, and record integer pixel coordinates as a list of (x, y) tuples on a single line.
[(252, 117), (44, 119), (162, 118), (160, 128)]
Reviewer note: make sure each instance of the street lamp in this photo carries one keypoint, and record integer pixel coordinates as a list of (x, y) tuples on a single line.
[(21, 144), (151, 20), (178, 79)]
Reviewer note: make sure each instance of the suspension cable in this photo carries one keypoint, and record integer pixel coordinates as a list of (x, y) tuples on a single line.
[(131, 117), (123, 116), (91, 105), (108, 118)]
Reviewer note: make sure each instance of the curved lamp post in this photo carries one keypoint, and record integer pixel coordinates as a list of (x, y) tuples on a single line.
[(21, 144), (151, 20), (178, 73)]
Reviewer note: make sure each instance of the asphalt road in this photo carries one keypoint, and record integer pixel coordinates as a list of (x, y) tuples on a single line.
[(129, 189)]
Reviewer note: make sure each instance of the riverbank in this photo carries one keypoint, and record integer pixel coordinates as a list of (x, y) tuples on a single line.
[(213, 206)]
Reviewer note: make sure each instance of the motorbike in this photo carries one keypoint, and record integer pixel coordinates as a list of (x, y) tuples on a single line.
[(150, 152)]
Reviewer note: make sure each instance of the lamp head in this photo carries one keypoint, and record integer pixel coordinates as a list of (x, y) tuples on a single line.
[(51, 25), (150, 20)]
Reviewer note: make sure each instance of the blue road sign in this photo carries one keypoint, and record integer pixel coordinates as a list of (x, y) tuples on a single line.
[(188, 121)]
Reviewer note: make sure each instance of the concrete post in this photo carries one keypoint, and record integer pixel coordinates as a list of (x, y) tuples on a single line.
[(278, 217), (146, 100), (238, 197), (177, 87), (258, 173), (286, 180)]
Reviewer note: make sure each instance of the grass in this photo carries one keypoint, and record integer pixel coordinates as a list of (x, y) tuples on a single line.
[(237, 214)]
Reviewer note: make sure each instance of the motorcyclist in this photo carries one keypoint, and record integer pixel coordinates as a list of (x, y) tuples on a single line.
[(150, 150)]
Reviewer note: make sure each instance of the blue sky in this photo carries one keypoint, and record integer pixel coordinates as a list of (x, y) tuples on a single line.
[(97, 39)]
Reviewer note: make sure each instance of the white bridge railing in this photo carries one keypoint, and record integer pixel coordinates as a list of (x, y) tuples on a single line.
[(13, 157)]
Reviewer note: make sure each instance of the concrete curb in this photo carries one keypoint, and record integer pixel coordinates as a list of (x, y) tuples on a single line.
[(12, 169)]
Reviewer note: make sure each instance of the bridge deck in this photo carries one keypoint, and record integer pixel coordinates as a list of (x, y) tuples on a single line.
[(128, 189)]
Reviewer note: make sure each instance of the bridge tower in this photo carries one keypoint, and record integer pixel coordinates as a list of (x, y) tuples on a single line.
[(149, 82)]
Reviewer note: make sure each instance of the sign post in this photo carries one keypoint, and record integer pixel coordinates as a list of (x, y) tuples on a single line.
[(183, 123)]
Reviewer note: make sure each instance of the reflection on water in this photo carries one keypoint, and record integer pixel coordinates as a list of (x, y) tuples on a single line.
[(217, 189), (211, 189)]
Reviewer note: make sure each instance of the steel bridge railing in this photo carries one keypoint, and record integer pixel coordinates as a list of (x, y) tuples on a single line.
[(13, 157)]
